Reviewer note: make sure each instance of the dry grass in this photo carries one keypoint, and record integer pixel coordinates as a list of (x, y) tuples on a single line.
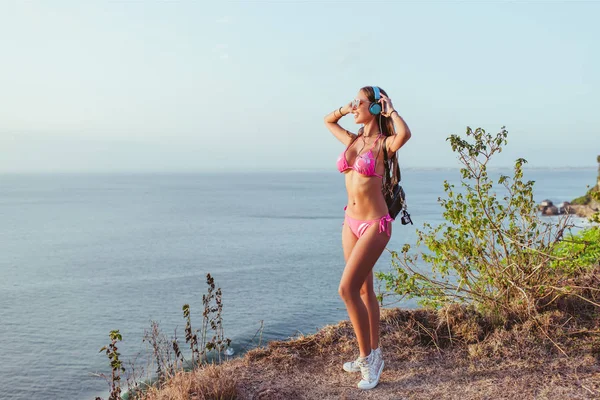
[(208, 383), (451, 354)]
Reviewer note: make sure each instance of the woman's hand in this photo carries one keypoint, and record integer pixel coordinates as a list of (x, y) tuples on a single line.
[(387, 108), (347, 109)]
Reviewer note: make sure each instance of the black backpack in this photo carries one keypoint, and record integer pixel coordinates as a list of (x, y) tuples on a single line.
[(393, 193)]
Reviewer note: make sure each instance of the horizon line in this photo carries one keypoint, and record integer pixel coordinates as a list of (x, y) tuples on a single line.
[(268, 170)]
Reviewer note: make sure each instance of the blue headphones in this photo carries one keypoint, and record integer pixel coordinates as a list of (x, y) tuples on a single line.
[(375, 107)]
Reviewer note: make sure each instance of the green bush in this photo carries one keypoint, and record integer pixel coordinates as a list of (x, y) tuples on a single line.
[(582, 200), (580, 251), (591, 194), (492, 252), (595, 194)]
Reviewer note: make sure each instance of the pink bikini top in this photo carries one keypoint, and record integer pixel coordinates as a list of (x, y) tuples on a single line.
[(364, 163)]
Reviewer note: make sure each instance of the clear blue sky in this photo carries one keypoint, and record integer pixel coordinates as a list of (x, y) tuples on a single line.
[(193, 86)]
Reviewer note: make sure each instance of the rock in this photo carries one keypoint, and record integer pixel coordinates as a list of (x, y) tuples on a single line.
[(584, 211), (561, 207), (569, 209), (585, 206), (545, 203), (550, 210)]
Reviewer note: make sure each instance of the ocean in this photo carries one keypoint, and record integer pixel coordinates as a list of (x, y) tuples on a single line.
[(83, 254)]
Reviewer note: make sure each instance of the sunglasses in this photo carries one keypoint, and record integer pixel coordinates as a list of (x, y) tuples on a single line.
[(357, 102)]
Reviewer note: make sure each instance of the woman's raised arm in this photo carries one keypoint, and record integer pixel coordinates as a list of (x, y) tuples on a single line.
[(402, 133), (400, 127), (331, 122)]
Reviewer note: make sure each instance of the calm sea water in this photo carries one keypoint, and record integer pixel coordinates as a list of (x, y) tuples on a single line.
[(81, 255)]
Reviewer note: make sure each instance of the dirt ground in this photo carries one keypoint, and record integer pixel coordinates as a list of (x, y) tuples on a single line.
[(508, 365)]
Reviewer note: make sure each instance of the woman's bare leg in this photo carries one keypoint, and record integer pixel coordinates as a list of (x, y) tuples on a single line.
[(367, 294), (364, 255), (348, 241)]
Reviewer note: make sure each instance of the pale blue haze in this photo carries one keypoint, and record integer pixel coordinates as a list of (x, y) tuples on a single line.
[(197, 86)]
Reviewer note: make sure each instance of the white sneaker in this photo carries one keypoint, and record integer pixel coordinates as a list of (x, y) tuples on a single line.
[(370, 370), (352, 366)]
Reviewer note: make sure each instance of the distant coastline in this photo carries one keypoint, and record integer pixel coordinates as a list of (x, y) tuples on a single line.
[(584, 206)]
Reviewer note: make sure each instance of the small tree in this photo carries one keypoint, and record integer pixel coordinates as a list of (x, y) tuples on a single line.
[(492, 252), (117, 369)]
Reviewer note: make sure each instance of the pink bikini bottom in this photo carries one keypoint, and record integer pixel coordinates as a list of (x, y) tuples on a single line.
[(358, 227)]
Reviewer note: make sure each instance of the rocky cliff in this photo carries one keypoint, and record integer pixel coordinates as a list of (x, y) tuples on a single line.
[(584, 206)]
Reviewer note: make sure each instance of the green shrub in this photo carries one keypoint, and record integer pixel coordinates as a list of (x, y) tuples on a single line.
[(579, 252), (591, 194), (595, 194), (116, 365), (582, 200), (492, 252)]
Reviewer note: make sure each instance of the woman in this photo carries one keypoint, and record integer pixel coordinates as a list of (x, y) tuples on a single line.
[(367, 224)]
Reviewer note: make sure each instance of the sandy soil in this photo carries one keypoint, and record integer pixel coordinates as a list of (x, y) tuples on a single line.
[(419, 364)]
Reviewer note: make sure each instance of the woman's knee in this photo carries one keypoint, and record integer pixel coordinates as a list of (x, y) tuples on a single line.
[(367, 293), (346, 291)]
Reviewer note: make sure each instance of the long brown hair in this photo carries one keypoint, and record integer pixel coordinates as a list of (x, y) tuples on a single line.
[(386, 125)]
